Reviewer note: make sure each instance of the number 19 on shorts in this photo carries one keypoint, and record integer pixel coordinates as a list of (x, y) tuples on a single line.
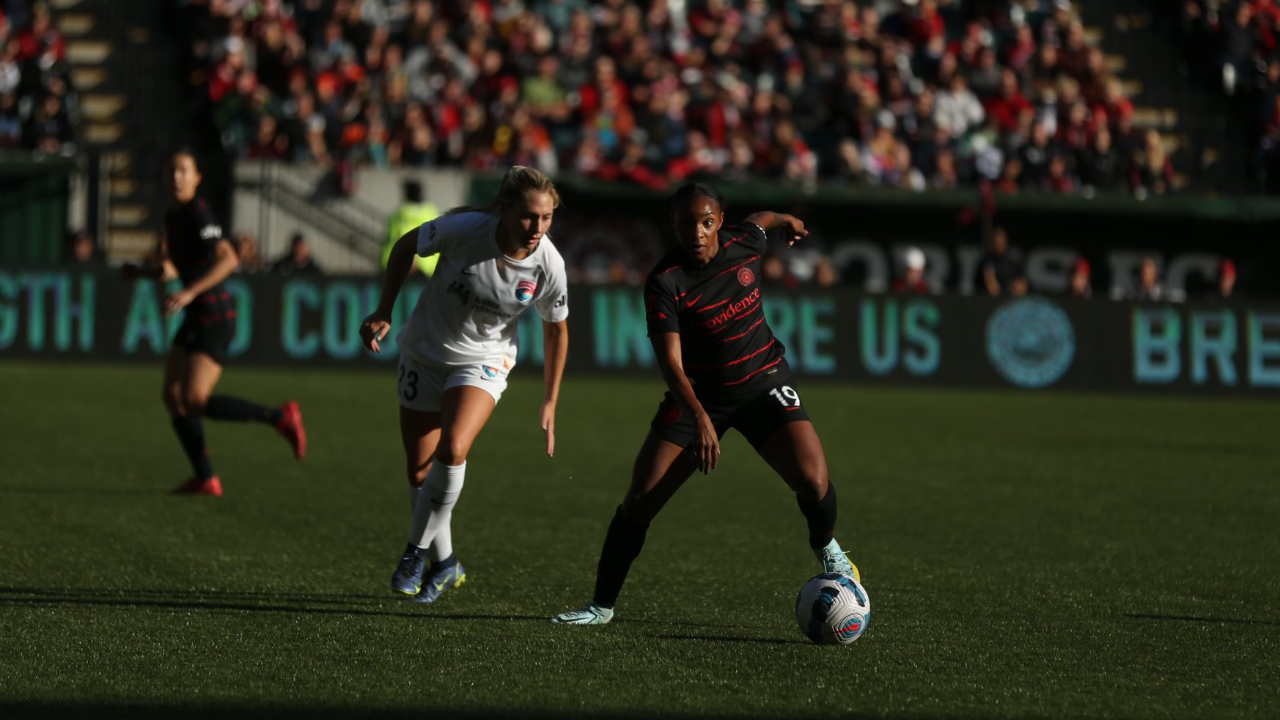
[(786, 396)]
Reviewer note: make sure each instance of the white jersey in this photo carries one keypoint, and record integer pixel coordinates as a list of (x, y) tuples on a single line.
[(469, 311)]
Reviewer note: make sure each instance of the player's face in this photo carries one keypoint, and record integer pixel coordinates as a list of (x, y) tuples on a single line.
[(530, 220), (697, 227), (183, 178)]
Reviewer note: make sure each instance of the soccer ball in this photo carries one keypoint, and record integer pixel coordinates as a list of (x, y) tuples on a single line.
[(833, 609)]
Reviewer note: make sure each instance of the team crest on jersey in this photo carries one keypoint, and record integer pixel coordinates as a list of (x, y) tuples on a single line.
[(489, 372), (746, 277), (525, 290), (671, 413)]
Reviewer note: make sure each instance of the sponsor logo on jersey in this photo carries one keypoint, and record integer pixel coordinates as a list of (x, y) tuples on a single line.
[(460, 289), (564, 299), (733, 310), (746, 277), (1031, 342), (489, 372), (211, 232), (525, 290), (671, 413)]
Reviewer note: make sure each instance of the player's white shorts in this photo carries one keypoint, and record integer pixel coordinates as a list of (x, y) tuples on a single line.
[(420, 386)]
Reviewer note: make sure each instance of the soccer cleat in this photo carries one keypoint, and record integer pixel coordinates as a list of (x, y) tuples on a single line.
[(439, 581), (196, 486), (592, 614), (407, 579), (835, 560), (290, 426)]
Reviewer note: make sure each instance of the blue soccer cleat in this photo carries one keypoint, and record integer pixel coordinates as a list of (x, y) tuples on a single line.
[(407, 579), (439, 580), (835, 560)]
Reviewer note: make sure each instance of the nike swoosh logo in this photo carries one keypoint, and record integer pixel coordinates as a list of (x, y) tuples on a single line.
[(440, 587), (691, 303)]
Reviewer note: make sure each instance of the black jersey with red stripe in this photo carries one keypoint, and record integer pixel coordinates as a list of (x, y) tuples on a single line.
[(725, 343), (192, 235)]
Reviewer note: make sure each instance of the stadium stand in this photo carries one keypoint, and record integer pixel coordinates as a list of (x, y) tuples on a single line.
[(918, 95)]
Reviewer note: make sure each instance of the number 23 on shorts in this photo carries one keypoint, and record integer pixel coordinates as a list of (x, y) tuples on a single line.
[(408, 383), (786, 396)]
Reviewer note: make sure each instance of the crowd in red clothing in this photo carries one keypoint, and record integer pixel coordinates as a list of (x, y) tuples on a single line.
[(37, 104), (916, 94)]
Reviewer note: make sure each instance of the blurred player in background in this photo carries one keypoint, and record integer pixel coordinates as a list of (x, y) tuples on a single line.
[(199, 254), (458, 346), (725, 369)]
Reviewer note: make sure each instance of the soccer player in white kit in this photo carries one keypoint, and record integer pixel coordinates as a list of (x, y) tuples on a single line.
[(458, 346)]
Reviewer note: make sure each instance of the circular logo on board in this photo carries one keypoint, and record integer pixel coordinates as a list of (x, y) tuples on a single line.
[(1031, 342), (746, 277)]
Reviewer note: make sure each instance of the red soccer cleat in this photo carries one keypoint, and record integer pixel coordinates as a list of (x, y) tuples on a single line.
[(196, 486), (290, 426)]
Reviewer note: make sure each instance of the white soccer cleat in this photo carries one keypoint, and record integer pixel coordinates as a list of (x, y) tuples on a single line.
[(592, 614), (835, 560)]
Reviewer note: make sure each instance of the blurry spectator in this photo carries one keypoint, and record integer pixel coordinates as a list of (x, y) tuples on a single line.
[(1100, 164), (298, 261), (49, 129), (1148, 287), (10, 122), (247, 251), (824, 273), (999, 273), (1035, 157), (775, 271), (83, 250), (1226, 289), (414, 210), (1078, 286), (957, 108), (1152, 171), (911, 281), (1059, 180)]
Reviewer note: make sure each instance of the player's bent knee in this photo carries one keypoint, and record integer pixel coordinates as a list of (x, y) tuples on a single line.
[(813, 483), (452, 452), (193, 403)]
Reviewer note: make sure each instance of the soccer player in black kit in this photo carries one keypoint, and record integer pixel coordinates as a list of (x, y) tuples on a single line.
[(725, 369), (198, 253)]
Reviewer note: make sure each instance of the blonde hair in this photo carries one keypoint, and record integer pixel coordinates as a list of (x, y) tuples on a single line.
[(518, 181)]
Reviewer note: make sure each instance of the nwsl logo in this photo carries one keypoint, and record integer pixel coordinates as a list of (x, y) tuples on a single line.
[(525, 290)]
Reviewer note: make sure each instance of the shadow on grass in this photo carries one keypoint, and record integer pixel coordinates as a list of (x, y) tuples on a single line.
[(713, 638), (1193, 618), (260, 602), (196, 711), (336, 604)]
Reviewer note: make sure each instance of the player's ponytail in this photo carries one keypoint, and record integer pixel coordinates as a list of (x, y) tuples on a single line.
[(518, 181)]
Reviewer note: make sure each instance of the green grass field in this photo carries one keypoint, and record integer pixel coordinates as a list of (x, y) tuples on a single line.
[(1026, 556)]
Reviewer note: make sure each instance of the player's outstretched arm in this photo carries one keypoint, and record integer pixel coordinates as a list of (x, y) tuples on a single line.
[(666, 347), (555, 343), (769, 220), (399, 262), (226, 263)]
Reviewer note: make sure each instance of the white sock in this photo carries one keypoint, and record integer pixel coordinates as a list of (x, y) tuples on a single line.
[(414, 490), (435, 506)]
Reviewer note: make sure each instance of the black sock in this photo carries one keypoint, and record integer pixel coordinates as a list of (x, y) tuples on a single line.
[(191, 435), (621, 547), (445, 563), (821, 516), (222, 407)]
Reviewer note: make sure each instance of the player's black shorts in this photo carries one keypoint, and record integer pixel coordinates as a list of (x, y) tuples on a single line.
[(212, 338), (756, 415)]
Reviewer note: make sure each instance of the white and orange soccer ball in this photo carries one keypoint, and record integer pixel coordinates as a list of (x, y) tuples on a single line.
[(833, 609)]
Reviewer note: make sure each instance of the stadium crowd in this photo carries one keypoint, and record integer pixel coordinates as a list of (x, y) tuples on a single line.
[(1238, 43), (917, 94), (38, 106)]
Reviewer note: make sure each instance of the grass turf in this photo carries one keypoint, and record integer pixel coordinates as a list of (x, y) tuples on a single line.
[(1026, 556)]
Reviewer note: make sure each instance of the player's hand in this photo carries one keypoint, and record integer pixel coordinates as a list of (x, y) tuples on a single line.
[(549, 426), (178, 300), (794, 229), (706, 443), (373, 330)]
